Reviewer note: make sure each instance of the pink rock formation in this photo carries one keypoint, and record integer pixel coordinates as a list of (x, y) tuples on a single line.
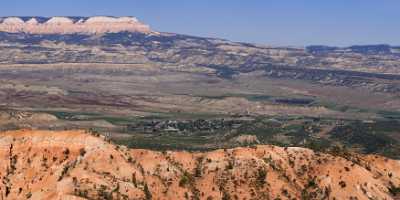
[(75, 165), (65, 25)]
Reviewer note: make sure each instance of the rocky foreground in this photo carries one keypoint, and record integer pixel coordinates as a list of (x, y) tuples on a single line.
[(78, 165)]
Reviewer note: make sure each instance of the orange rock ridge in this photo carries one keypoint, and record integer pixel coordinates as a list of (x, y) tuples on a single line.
[(78, 165)]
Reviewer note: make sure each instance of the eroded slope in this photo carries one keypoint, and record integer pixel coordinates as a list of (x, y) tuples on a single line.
[(76, 165)]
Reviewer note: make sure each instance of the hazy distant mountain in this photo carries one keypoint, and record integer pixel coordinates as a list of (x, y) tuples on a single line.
[(125, 40), (138, 39)]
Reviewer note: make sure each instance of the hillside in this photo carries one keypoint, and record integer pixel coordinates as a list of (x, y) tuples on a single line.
[(78, 165)]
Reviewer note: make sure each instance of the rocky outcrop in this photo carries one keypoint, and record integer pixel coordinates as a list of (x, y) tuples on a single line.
[(75, 165), (66, 25)]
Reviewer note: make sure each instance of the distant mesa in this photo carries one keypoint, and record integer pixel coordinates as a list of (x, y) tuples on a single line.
[(71, 25), (12, 20), (59, 20)]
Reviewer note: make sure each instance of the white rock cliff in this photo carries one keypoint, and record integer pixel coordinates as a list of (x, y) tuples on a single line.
[(66, 25)]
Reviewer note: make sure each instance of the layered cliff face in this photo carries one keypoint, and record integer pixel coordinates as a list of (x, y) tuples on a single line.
[(76, 165), (66, 25)]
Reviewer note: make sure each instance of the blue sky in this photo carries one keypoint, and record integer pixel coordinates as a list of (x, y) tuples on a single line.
[(276, 22)]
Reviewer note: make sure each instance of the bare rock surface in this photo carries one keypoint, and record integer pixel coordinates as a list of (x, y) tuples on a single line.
[(77, 165)]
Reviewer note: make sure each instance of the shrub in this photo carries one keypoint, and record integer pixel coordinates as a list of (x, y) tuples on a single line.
[(226, 196), (185, 179), (229, 166), (66, 152), (394, 190), (261, 176), (29, 195), (82, 151), (342, 184), (147, 192)]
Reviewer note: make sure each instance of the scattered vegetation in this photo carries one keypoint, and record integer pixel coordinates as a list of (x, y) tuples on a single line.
[(261, 177), (208, 134), (395, 191), (186, 179)]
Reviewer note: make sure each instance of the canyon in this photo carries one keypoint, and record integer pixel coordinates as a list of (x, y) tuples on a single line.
[(107, 108)]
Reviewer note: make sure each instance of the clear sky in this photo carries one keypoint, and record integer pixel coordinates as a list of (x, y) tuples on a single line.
[(276, 22)]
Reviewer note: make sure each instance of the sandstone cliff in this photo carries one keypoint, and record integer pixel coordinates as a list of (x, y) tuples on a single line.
[(66, 25)]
